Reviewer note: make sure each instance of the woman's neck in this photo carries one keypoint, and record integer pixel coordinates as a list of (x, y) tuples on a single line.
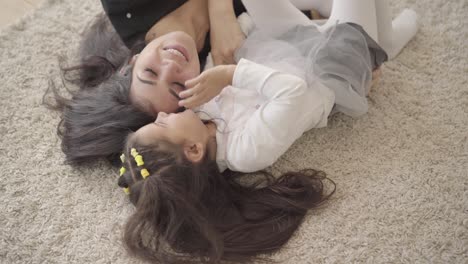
[(191, 18)]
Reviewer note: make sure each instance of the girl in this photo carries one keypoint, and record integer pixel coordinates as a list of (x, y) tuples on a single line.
[(255, 103), (171, 168)]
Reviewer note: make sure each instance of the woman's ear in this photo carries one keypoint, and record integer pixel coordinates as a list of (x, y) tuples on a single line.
[(194, 152), (125, 69), (133, 59)]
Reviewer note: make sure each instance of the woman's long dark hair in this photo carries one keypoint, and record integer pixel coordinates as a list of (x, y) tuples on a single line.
[(199, 212), (102, 53), (99, 115)]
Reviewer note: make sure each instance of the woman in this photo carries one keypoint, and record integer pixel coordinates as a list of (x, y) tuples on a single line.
[(172, 37)]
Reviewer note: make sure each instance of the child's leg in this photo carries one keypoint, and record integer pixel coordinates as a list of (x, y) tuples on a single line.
[(393, 36), (275, 16), (384, 24), (361, 12)]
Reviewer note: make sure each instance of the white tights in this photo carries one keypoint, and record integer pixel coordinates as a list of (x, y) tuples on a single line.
[(277, 16)]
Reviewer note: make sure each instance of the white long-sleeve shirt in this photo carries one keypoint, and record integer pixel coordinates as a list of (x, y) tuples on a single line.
[(261, 115), (263, 112)]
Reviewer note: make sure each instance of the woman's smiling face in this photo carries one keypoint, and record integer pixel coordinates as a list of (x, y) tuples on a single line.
[(160, 71)]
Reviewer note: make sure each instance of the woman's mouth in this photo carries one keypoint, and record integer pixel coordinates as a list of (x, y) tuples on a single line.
[(178, 51)]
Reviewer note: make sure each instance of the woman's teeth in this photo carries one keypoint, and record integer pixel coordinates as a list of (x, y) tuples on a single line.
[(176, 52)]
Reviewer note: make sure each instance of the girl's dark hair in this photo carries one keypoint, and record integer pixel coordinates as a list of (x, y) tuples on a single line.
[(99, 115), (186, 210)]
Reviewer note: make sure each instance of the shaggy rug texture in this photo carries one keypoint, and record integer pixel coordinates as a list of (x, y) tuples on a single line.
[(401, 170)]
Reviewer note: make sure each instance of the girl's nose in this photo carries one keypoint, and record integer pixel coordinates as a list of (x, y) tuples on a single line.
[(161, 116)]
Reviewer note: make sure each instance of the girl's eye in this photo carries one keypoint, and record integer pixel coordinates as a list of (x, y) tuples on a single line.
[(180, 85), (161, 124)]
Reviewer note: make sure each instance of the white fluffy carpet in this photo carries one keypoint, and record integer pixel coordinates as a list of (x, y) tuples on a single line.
[(401, 170)]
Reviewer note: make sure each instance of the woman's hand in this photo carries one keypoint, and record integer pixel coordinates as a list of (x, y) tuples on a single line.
[(206, 86), (225, 33)]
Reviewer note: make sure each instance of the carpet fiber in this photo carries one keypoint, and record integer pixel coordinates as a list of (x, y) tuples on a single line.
[(401, 170)]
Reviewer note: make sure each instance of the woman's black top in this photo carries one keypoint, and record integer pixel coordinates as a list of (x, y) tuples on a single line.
[(133, 18)]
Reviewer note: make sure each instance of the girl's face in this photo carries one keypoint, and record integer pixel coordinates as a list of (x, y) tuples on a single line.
[(184, 128), (160, 71)]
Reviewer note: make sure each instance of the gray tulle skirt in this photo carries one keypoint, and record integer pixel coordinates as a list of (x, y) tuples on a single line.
[(341, 58)]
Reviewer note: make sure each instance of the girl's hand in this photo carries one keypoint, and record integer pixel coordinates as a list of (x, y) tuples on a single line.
[(206, 86), (225, 33)]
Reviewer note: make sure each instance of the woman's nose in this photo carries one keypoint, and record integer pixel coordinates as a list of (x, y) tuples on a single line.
[(170, 68)]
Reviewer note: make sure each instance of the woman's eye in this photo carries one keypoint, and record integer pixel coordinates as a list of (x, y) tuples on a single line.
[(151, 71)]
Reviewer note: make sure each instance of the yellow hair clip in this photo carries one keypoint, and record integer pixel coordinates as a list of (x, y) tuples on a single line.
[(122, 158), (144, 173), (126, 191), (139, 160), (133, 152), (122, 171)]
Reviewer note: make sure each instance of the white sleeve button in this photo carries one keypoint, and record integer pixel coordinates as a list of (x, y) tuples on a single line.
[(129, 15)]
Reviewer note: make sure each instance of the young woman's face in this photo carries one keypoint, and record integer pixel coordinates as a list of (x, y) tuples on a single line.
[(160, 71), (179, 128)]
